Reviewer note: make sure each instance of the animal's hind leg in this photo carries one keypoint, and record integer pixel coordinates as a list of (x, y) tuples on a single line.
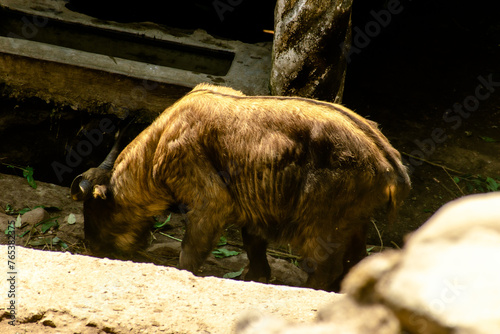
[(258, 269), (355, 252), (328, 258), (323, 261)]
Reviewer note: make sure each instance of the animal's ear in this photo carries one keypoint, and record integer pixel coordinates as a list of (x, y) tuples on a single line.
[(100, 191), (80, 188)]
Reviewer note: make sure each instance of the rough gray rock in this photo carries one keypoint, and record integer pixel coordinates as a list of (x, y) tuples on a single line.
[(446, 279), (34, 216), (64, 293), (307, 60), (343, 316)]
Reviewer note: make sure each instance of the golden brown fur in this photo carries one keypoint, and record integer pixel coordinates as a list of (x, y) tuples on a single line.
[(282, 168)]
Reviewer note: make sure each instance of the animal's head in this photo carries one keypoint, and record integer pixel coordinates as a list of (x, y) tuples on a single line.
[(93, 188), (108, 226)]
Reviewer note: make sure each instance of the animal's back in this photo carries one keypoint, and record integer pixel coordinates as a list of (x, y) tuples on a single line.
[(276, 158)]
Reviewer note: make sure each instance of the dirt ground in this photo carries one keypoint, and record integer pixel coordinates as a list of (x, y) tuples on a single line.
[(434, 88), (412, 79), (67, 233)]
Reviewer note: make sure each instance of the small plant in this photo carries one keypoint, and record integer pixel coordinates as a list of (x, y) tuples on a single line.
[(222, 241), (478, 183), (369, 250), (45, 226), (221, 253), (49, 241), (27, 173), (488, 139), (234, 274), (11, 228), (159, 225), (48, 225), (11, 211)]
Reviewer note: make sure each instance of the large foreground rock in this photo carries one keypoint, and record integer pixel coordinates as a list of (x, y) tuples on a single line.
[(445, 280), (64, 293)]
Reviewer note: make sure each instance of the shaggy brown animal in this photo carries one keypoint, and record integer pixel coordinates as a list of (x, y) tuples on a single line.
[(283, 168)]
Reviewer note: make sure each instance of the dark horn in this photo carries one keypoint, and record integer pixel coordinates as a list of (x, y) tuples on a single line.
[(109, 162), (80, 188), (113, 154)]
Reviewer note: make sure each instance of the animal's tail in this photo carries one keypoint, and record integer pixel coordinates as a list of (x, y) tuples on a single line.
[(397, 191)]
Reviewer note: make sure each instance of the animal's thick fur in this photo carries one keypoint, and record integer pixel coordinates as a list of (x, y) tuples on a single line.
[(283, 168)]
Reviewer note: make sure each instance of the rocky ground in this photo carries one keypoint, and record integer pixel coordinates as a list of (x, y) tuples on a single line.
[(64, 293), (443, 281)]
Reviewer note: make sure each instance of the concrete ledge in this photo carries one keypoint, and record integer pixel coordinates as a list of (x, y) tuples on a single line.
[(65, 293), (31, 30)]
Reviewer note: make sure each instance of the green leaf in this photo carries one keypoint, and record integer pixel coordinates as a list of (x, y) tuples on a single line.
[(47, 220), (9, 229), (160, 224), (477, 182), (61, 243), (492, 184), (8, 209), (222, 241), (488, 139), (31, 182), (41, 242), (23, 211), (71, 219), (24, 233), (18, 221), (223, 252), (456, 179), (46, 226), (27, 171), (28, 174), (234, 274)]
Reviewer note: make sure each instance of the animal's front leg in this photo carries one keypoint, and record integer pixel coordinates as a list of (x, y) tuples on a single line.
[(204, 224), (202, 232)]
